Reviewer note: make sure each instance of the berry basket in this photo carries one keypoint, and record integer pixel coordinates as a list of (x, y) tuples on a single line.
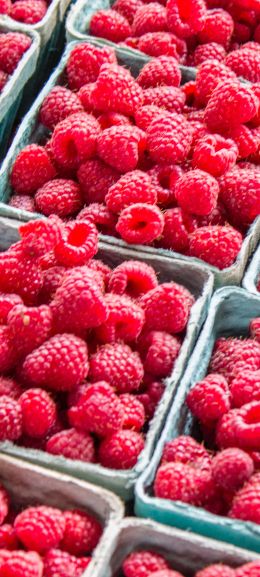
[(251, 277), (29, 132), (28, 485), (200, 282), (14, 91), (185, 552), (230, 313)]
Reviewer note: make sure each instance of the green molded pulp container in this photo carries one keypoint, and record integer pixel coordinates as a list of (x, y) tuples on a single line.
[(252, 276)]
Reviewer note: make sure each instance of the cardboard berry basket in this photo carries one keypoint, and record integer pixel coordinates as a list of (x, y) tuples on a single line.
[(13, 92), (252, 275), (29, 485), (229, 314), (196, 279), (29, 131), (184, 551)]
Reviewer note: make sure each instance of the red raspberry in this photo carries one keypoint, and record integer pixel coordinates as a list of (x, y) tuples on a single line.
[(197, 192), (246, 139), (177, 226), (10, 388), (23, 202), (61, 363), (85, 96), (38, 412), (124, 321), (162, 44), (215, 154), (240, 194), (248, 570), (208, 400), (8, 356), (162, 71), (79, 302), (210, 74), (135, 186), (218, 570), (210, 51), (4, 504), (5, 6), (29, 327), (133, 278), (233, 355), (181, 482), (59, 196), (101, 268), (146, 114), (245, 62), (116, 90), (85, 61), (29, 11), (61, 564), (151, 397), (8, 539), (127, 8), (12, 47), (134, 413), (185, 449), (149, 18), (97, 413), (95, 179), (121, 450), (20, 274), (7, 303), (169, 138), (121, 147), (218, 27), (52, 278), (217, 245), (231, 468), (20, 563), (40, 236), (255, 326), (99, 214), (59, 104), (167, 573), (78, 244), (109, 24), (72, 444), (169, 98), (74, 139), (143, 563), (82, 533), (231, 103), (186, 17), (108, 119), (40, 528), (24, 178), (245, 387), (118, 365), (10, 419), (246, 504), (159, 352), (240, 428), (167, 307), (140, 223), (164, 178)]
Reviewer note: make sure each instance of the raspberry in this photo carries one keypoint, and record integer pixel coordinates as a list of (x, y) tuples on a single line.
[(233, 355), (118, 365), (74, 139), (108, 119), (121, 450), (5, 6), (78, 244), (109, 24), (72, 444), (95, 178), (124, 321), (186, 17), (245, 387), (61, 363), (180, 482), (151, 397), (116, 90), (59, 104), (218, 570), (149, 18), (40, 528), (248, 570), (29, 327), (246, 504), (210, 74), (167, 307), (12, 47), (208, 400), (169, 98), (143, 563), (4, 504), (97, 413), (38, 412), (146, 114), (164, 178), (29, 11), (240, 193), (210, 51), (255, 327), (159, 44), (79, 303), (99, 214), (140, 223), (59, 196), (215, 154), (231, 103), (127, 8), (231, 468), (23, 202), (133, 278), (240, 428), (135, 186), (10, 419), (7, 352), (134, 413), (121, 146), (159, 352), (197, 192), (162, 71), (20, 563), (218, 27), (20, 274), (40, 236), (7, 303), (82, 532), (169, 138), (246, 139), (245, 62), (10, 388), (100, 267), (61, 564), (217, 245), (177, 226), (52, 278), (85, 61), (185, 449), (8, 539), (24, 178)]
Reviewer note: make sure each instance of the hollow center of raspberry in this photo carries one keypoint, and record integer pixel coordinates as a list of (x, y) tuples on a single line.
[(78, 236), (253, 415), (184, 8), (140, 225)]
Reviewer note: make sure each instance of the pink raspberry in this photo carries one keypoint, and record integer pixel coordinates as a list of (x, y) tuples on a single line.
[(181, 482), (121, 450), (100, 216), (60, 103), (169, 138), (23, 177), (8, 539), (59, 196), (233, 355), (7, 303), (161, 71), (10, 388), (72, 444), (209, 74), (118, 365), (108, 119), (10, 419), (127, 8), (95, 179), (245, 63), (143, 563), (197, 192), (85, 61), (241, 428), (140, 223), (186, 17), (29, 327), (168, 98), (121, 147), (20, 274), (5, 6), (177, 226), (218, 570), (40, 236), (208, 400), (124, 321), (209, 51), (133, 278), (231, 468), (240, 194), (20, 563), (13, 45), (23, 201), (58, 563), (146, 114), (246, 505), (231, 103), (109, 24), (162, 44), (167, 307), (246, 139), (248, 570), (79, 243), (255, 328), (134, 413), (185, 449), (218, 27), (97, 413), (164, 178), (159, 351), (74, 139), (217, 245), (215, 154), (38, 412), (149, 18), (82, 533), (40, 528), (29, 11), (116, 90), (135, 186), (245, 387)]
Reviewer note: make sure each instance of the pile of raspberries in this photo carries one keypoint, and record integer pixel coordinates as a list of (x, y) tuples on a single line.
[(146, 563), (83, 348), (192, 31), (145, 159), (26, 11), (13, 46), (225, 478), (43, 541)]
